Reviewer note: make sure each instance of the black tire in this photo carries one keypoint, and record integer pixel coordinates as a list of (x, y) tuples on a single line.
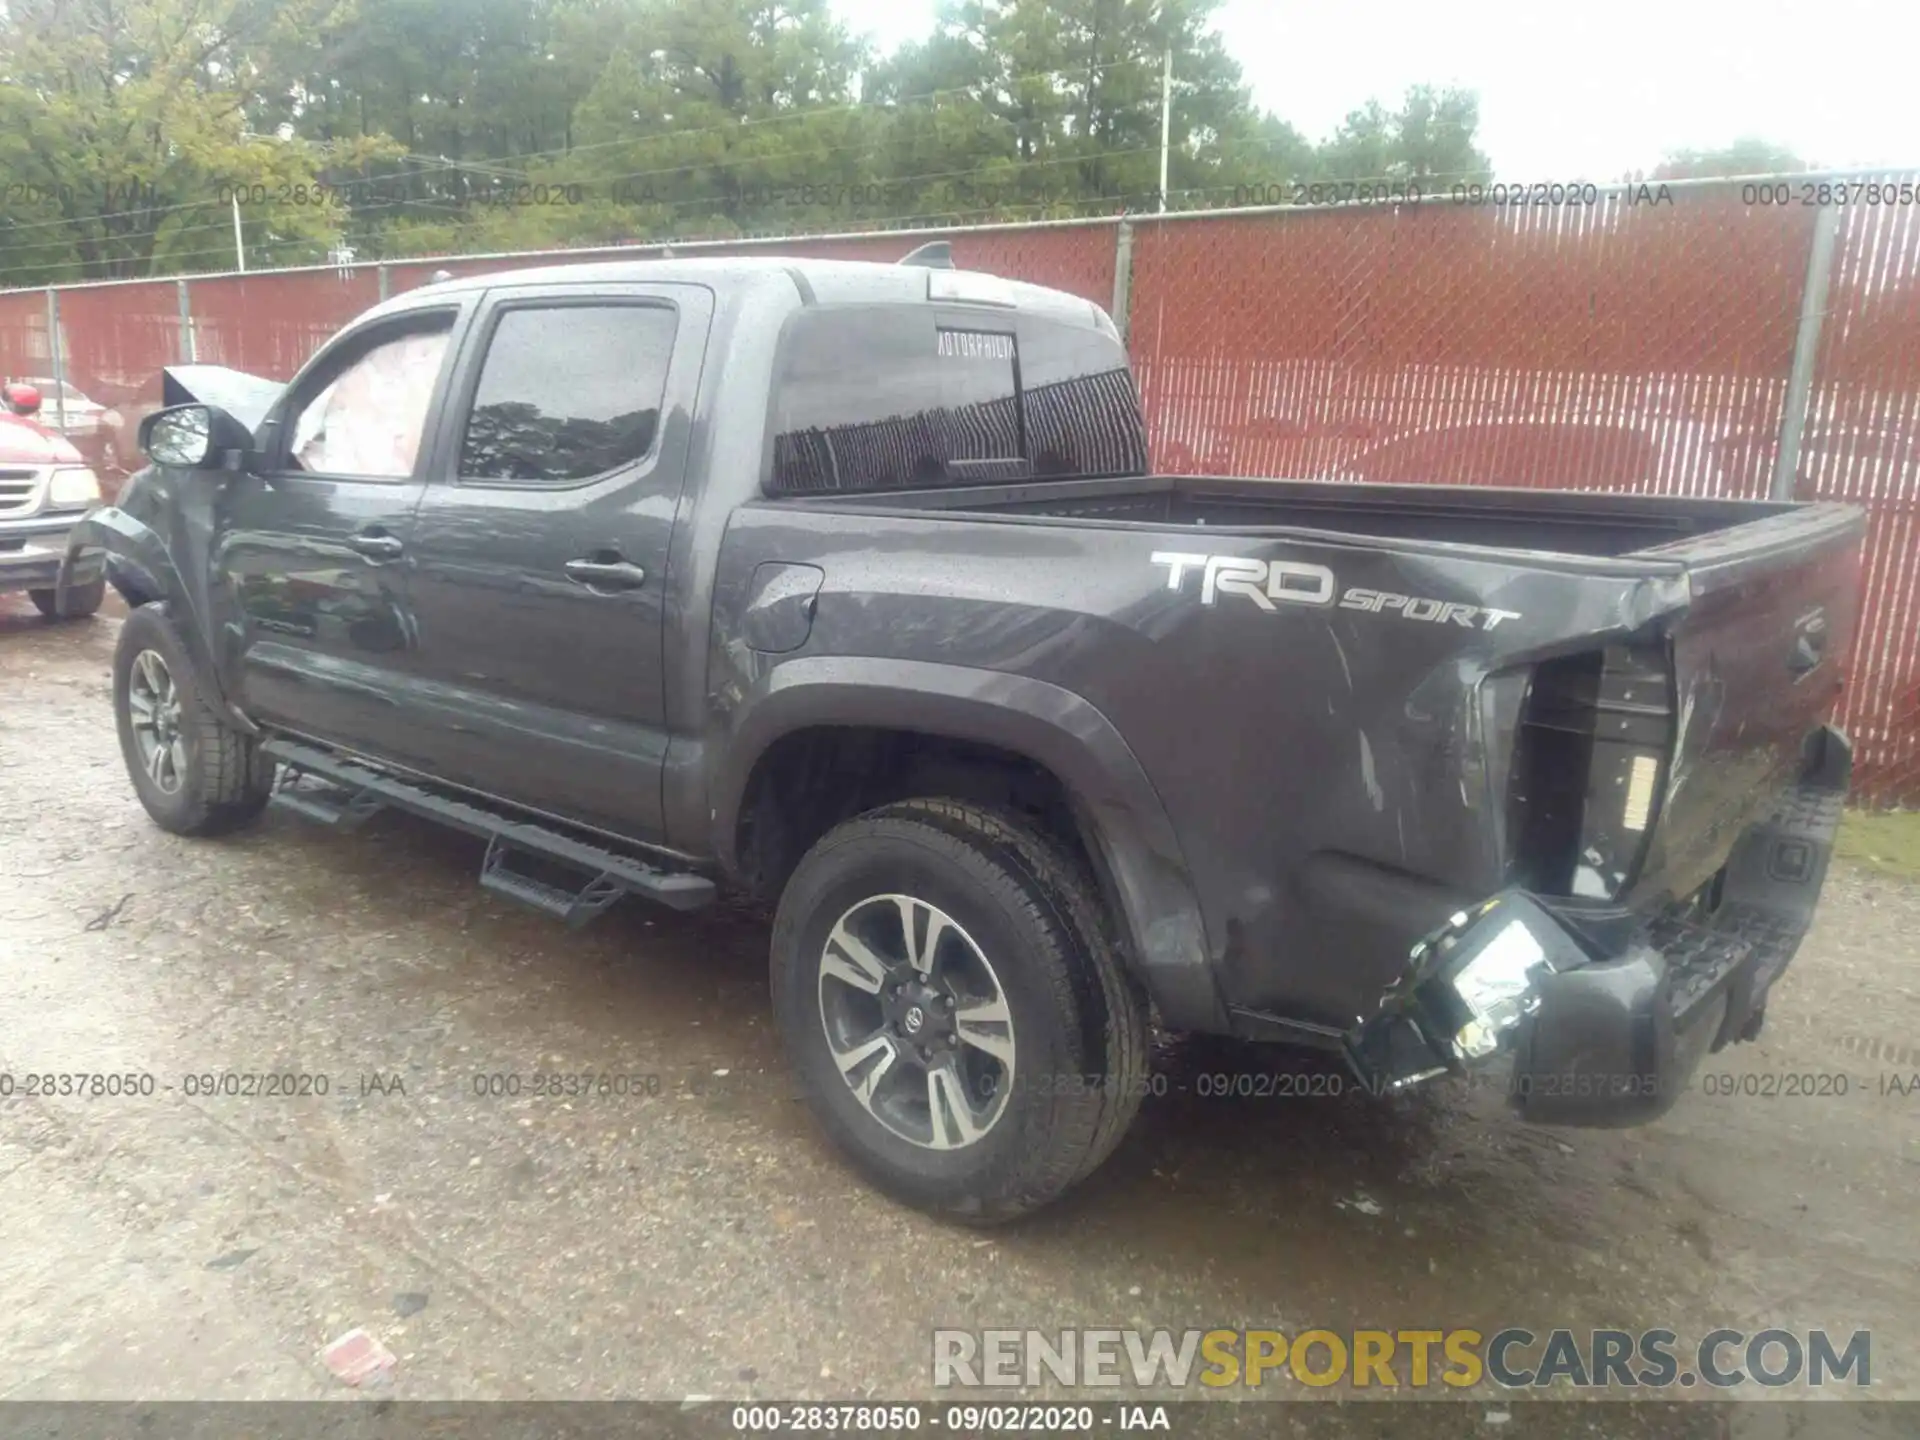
[(82, 601), (1078, 1030), (223, 781)]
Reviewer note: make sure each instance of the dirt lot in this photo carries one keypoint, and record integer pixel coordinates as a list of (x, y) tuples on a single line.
[(701, 1241)]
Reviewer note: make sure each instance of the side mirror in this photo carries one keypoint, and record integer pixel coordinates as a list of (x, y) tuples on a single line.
[(194, 437), (22, 399)]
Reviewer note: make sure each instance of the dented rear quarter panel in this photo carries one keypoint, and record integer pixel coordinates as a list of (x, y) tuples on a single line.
[(1283, 744)]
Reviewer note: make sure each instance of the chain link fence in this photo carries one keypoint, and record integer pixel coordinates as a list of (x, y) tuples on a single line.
[(1858, 440), (1590, 347), (1744, 338)]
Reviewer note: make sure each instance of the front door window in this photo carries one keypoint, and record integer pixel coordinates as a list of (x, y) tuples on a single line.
[(368, 420)]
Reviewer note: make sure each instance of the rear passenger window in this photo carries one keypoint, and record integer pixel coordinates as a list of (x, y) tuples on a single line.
[(568, 392)]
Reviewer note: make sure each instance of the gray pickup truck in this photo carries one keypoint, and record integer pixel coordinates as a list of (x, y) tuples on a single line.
[(849, 586)]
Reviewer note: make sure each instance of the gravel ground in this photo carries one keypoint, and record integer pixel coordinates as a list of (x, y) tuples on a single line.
[(701, 1240)]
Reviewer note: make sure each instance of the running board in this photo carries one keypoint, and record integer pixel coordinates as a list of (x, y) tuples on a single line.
[(325, 804), (353, 793)]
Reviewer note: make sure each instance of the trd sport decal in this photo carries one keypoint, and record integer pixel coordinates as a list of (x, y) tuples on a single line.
[(1271, 583)]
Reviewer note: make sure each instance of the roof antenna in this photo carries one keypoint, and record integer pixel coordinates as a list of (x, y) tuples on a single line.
[(934, 255)]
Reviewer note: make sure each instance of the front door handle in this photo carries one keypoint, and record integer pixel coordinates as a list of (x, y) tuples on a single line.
[(376, 545), (606, 574)]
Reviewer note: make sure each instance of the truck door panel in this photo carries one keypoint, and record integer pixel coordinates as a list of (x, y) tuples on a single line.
[(311, 553), (540, 551)]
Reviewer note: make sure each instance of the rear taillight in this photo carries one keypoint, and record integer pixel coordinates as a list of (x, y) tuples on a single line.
[(1588, 770)]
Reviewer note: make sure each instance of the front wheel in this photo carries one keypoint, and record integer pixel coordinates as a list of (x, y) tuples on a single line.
[(947, 989), (193, 771)]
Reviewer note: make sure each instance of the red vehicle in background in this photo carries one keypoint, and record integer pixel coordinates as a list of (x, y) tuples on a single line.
[(46, 488)]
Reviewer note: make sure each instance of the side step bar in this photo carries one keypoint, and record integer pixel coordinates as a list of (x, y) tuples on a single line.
[(354, 793)]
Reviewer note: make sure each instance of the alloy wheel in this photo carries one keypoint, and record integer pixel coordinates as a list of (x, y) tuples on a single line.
[(153, 702), (917, 1021)]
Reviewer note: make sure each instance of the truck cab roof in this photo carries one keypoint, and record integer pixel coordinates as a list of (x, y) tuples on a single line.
[(814, 281)]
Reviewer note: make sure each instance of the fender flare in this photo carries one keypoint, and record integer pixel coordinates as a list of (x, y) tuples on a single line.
[(142, 569), (1119, 809)]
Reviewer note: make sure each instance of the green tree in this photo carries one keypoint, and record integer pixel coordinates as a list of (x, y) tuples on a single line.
[(943, 138), (475, 93), (1749, 156), (709, 117), (1051, 106), (124, 127), (1430, 138), (442, 126)]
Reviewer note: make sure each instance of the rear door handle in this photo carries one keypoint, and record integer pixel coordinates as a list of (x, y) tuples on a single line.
[(606, 574), (376, 545)]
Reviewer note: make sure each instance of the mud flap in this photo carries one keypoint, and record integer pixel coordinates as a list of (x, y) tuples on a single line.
[(82, 564), (110, 536)]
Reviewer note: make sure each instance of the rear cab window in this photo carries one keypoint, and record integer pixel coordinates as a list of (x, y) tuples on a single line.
[(896, 397)]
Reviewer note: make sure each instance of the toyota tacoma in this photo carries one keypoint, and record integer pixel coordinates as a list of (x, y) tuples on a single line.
[(849, 586)]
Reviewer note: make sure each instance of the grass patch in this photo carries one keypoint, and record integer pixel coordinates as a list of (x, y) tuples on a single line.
[(1888, 840)]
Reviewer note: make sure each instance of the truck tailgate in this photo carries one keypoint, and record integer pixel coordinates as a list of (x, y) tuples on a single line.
[(1607, 1014), (1758, 656)]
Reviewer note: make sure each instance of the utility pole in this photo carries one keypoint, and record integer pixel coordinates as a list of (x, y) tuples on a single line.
[(1166, 122), (239, 249)]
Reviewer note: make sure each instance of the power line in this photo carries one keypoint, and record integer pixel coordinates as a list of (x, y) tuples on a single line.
[(1013, 173), (1097, 202), (1016, 169), (693, 202), (880, 226)]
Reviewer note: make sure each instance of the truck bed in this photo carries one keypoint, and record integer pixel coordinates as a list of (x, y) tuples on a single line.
[(1429, 639), (1561, 521)]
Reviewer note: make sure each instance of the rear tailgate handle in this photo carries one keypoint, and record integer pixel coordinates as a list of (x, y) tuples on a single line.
[(1809, 644), (606, 574)]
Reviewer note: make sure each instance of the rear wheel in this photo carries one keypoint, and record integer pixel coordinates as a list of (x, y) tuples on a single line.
[(82, 601), (950, 997), (194, 773)]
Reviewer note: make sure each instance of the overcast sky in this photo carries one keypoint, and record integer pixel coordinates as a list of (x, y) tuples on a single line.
[(1584, 90)]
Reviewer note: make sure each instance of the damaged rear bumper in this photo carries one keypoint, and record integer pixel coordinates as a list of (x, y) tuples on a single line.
[(1603, 1014)]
